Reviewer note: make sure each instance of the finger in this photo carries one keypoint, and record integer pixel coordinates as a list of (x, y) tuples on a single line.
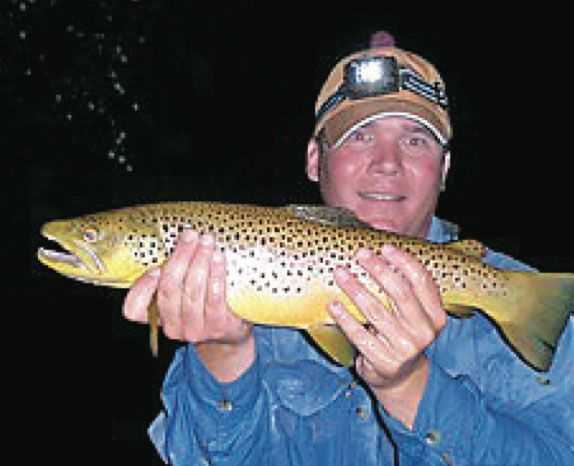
[(420, 281), (216, 290), (377, 351), (215, 303), (140, 296), (195, 287), (170, 289), (386, 324), (374, 310), (414, 329)]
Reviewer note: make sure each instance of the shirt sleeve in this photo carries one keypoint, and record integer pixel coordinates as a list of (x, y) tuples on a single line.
[(456, 425), (206, 422)]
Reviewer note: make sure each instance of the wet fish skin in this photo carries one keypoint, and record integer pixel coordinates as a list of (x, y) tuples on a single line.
[(280, 263)]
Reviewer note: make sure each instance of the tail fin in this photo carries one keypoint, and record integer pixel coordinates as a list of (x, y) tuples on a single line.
[(534, 314)]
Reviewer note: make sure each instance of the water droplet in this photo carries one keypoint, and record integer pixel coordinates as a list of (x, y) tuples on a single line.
[(23, 35), (119, 88)]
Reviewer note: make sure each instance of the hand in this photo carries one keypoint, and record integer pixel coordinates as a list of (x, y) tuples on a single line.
[(391, 347), (191, 298)]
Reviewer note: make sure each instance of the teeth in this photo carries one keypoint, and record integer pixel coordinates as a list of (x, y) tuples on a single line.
[(373, 196)]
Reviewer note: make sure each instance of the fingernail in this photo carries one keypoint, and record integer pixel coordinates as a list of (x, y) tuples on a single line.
[(188, 236), (207, 240), (364, 254), (155, 272), (342, 275), (388, 249), (336, 308)]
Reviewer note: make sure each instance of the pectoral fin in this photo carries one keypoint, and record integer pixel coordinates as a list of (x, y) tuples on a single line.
[(333, 341)]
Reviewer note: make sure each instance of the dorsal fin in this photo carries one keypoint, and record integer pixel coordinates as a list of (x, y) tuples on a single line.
[(470, 247), (333, 216)]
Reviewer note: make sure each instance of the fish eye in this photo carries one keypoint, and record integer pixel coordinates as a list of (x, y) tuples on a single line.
[(90, 235)]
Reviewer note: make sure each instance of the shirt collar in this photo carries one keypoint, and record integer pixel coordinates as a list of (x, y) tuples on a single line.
[(442, 231)]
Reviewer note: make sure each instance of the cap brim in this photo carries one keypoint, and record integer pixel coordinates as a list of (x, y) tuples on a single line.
[(341, 125)]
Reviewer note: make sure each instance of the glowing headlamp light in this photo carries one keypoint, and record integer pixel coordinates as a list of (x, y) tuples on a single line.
[(375, 76)]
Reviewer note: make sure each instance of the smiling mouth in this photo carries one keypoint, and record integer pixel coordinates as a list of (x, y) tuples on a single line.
[(381, 196)]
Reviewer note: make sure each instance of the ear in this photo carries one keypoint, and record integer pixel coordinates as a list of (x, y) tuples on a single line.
[(313, 156)]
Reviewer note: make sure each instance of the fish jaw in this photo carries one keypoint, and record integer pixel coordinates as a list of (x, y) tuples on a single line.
[(77, 260)]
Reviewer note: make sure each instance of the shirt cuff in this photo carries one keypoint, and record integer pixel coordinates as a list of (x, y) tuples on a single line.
[(443, 421), (223, 401)]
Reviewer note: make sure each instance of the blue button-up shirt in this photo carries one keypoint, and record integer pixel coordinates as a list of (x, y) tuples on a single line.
[(482, 405)]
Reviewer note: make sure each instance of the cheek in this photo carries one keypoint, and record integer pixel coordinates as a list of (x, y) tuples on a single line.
[(426, 181), (339, 177)]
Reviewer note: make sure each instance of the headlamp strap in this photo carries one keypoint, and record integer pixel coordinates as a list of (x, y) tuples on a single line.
[(408, 80), (433, 92)]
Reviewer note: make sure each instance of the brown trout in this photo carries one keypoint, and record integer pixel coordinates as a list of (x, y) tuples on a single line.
[(280, 263)]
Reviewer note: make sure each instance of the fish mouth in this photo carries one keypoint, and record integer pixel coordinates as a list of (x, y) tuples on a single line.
[(76, 259), (381, 196)]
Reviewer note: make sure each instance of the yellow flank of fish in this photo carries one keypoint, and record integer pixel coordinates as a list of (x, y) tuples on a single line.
[(280, 263)]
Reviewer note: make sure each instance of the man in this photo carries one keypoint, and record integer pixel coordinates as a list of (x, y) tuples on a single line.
[(426, 389)]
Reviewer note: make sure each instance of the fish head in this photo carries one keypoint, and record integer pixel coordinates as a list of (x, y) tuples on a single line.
[(97, 250)]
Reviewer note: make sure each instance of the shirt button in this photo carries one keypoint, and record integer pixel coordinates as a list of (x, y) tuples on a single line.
[(433, 437), (225, 406), (542, 380), (350, 388), (362, 413)]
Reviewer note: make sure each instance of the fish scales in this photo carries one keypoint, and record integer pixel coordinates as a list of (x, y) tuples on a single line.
[(280, 264), (273, 251)]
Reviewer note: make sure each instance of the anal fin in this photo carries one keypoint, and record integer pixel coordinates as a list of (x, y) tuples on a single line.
[(333, 341)]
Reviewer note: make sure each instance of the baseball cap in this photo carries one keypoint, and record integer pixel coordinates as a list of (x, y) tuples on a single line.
[(417, 92)]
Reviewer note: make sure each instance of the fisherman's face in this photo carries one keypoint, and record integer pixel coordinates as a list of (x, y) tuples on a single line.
[(388, 172)]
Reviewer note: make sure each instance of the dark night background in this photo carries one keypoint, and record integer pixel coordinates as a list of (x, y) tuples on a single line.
[(110, 103)]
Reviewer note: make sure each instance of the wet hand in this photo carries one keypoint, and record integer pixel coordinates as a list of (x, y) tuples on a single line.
[(391, 345), (191, 295)]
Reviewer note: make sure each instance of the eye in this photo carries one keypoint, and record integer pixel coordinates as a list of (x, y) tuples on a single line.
[(359, 140), (361, 135), (417, 141), (417, 144), (90, 235)]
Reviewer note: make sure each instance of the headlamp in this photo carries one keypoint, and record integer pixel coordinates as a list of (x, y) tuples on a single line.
[(380, 75)]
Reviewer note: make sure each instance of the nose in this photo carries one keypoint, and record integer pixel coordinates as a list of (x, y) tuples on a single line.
[(385, 159)]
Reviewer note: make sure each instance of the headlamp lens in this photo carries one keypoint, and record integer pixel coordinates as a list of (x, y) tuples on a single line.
[(371, 76)]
